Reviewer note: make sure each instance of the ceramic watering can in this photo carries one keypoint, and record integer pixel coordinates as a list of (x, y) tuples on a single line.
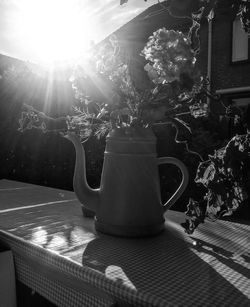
[(128, 202)]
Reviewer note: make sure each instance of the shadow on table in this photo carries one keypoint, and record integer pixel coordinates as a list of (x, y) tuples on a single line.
[(166, 266), (225, 257)]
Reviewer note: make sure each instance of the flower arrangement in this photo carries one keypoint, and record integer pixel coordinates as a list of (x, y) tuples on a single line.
[(108, 98), (173, 80)]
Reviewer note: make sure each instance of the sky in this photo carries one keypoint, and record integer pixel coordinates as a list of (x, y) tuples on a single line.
[(48, 30)]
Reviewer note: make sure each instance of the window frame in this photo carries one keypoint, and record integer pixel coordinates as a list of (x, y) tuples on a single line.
[(235, 62)]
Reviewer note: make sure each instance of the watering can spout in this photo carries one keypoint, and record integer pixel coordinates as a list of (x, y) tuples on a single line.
[(88, 197)]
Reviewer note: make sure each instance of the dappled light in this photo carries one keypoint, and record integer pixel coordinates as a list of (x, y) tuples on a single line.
[(117, 274), (39, 236)]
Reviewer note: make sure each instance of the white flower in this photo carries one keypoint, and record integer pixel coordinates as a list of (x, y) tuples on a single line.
[(152, 73)]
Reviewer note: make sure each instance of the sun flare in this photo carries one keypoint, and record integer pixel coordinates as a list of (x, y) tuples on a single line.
[(54, 30)]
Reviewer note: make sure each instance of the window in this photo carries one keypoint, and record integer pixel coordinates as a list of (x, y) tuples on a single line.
[(239, 42)]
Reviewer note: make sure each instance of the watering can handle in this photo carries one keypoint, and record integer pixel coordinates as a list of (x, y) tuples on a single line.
[(184, 182)]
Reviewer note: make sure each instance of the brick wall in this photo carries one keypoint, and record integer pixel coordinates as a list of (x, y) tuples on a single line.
[(226, 74)]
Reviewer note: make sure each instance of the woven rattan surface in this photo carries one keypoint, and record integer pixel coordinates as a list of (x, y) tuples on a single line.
[(58, 253)]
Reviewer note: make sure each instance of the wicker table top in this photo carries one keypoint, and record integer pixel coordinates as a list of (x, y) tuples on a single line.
[(50, 237)]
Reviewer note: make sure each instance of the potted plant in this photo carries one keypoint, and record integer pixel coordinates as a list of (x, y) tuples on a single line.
[(108, 101)]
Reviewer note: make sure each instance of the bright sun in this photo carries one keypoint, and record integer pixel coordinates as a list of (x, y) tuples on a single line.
[(54, 30)]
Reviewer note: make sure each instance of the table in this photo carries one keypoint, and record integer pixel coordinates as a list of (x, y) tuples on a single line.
[(58, 253)]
